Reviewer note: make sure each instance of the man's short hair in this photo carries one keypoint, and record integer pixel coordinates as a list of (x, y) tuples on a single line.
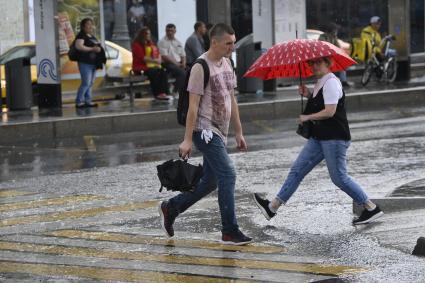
[(221, 29), (375, 19), (198, 25), (170, 26)]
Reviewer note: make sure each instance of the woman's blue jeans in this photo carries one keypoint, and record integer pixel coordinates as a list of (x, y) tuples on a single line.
[(218, 170), (88, 75), (334, 153)]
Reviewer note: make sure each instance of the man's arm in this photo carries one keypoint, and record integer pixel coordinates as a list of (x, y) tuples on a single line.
[(185, 148), (236, 121)]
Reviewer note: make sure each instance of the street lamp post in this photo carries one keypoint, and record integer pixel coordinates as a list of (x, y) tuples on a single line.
[(120, 33)]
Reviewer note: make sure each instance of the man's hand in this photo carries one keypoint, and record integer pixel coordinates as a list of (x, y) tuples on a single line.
[(185, 149), (241, 143)]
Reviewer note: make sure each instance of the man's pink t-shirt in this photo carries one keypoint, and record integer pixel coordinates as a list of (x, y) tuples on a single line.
[(215, 106)]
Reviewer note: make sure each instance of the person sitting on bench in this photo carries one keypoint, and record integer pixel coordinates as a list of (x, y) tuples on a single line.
[(147, 60)]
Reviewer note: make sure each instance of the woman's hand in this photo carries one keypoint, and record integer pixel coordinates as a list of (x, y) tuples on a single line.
[(304, 118), (303, 90), (96, 49)]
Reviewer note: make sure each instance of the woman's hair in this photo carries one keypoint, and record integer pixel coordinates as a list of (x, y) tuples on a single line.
[(83, 23), (141, 36), (328, 61)]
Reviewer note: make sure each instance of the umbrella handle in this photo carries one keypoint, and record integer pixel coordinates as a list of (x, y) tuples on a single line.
[(301, 82)]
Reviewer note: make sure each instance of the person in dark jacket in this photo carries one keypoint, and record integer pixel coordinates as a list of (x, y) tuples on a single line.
[(91, 57), (329, 140)]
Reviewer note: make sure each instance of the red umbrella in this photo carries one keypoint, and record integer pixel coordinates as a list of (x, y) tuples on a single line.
[(289, 59)]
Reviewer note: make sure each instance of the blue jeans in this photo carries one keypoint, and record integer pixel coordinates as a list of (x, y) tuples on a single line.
[(88, 75), (218, 170), (334, 152)]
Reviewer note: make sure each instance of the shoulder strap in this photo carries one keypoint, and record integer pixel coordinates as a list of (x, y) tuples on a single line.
[(206, 70)]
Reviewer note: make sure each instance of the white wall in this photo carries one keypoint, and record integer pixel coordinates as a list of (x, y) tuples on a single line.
[(262, 22), (11, 24), (182, 13), (290, 15)]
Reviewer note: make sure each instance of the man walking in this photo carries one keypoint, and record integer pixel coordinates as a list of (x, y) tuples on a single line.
[(210, 112), (173, 56), (195, 45)]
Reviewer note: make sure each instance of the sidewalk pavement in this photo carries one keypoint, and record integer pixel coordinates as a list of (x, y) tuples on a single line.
[(146, 114)]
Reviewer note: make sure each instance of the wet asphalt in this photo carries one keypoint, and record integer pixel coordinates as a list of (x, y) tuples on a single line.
[(84, 209)]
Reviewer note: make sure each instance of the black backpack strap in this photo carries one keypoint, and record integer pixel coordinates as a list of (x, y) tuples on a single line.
[(204, 65), (233, 64)]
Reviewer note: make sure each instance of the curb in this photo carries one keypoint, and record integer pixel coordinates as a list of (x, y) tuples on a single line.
[(166, 119), (393, 204)]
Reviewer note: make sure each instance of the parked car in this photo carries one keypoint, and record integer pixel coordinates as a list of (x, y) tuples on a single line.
[(118, 64), (314, 34)]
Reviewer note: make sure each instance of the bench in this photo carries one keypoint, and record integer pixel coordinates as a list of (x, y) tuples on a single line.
[(133, 79), (130, 80)]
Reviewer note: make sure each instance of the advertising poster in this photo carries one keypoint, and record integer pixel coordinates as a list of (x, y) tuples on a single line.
[(70, 14)]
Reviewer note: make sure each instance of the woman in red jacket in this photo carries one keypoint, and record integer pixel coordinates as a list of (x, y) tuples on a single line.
[(147, 60)]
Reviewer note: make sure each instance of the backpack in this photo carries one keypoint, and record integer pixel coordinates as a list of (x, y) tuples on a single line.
[(183, 103), (73, 53)]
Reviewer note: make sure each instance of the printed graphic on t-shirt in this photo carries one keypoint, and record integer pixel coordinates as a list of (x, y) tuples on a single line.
[(215, 106)]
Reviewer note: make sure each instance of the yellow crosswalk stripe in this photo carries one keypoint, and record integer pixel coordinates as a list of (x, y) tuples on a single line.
[(150, 240), (13, 193), (321, 269), (49, 202), (100, 273), (74, 214)]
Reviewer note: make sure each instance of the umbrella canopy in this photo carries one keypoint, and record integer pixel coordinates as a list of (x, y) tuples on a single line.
[(289, 59)]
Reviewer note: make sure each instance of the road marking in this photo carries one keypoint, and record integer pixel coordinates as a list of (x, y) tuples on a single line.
[(150, 240), (319, 269), (73, 214), (49, 202), (107, 273), (13, 193)]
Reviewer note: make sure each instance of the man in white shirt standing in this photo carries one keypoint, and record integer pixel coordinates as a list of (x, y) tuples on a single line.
[(173, 56)]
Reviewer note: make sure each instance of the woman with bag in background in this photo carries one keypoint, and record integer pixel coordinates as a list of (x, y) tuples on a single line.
[(91, 56)]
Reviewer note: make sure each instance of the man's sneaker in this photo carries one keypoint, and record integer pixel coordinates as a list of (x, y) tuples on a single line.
[(263, 205), (237, 238), (368, 216), (167, 218)]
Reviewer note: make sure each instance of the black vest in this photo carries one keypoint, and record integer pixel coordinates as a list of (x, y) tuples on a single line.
[(334, 128)]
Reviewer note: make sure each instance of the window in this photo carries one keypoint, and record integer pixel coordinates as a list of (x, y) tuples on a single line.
[(111, 53)]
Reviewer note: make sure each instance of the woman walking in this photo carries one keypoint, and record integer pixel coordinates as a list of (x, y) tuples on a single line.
[(91, 56), (329, 140)]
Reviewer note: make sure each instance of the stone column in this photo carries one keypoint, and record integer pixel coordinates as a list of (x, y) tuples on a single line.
[(219, 11), (120, 33)]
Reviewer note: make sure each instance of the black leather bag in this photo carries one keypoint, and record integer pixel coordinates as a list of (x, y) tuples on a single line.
[(179, 175), (305, 129), (73, 52)]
